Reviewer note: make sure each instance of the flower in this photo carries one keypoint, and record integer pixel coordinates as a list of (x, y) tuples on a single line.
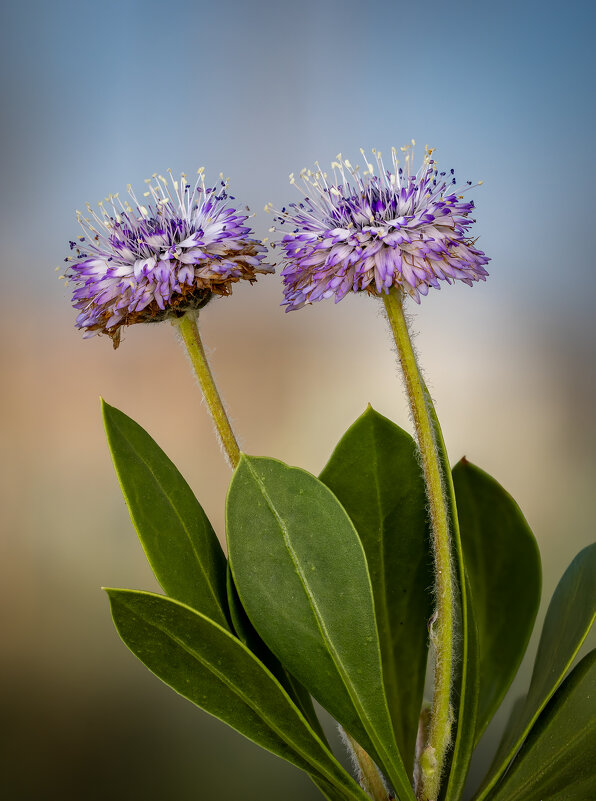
[(368, 232), (140, 264)]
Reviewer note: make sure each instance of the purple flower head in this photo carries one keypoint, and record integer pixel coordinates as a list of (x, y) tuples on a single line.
[(364, 231), (144, 263)]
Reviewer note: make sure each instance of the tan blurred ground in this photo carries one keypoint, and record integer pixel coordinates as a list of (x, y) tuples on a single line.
[(84, 719)]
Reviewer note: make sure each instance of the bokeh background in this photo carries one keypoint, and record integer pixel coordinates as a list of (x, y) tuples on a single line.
[(96, 95)]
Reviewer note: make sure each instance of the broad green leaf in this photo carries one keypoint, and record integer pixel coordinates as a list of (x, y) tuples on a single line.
[(503, 566), (465, 686), (568, 620), (176, 535), (375, 473), (249, 637), (301, 574), (559, 755), (206, 664)]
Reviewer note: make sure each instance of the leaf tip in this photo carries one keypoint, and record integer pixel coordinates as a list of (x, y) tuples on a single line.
[(111, 594), (464, 464), (106, 410), (369, 415)]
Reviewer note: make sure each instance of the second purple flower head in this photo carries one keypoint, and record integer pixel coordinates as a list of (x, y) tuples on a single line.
[(373, 229)]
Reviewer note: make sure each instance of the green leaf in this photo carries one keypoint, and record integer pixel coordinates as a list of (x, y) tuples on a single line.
[(176, 535), (206, 664), (569, 618), (301, 574), (558, 757), (465, 685), (375, 473), (249, 637), (503, 566)]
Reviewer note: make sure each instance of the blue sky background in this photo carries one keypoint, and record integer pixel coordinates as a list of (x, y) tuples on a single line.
[(98, 95)]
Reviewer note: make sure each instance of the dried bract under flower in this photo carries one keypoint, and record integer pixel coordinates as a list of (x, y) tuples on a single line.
[(143, 263), (364, 231)]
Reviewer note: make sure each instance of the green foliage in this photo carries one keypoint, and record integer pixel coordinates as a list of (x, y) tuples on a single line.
[(210, 667), (328, 592), (302, 577), (374, 472), (558, 757), (568, 620)]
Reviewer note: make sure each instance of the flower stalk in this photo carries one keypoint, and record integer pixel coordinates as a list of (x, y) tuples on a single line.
[(189, 331), (442, 624)]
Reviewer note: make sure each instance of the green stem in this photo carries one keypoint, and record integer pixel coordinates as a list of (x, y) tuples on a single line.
[(442, 632), (189, 331)]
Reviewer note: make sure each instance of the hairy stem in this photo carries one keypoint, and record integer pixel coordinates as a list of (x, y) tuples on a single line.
[(189, 331), (433, 754)]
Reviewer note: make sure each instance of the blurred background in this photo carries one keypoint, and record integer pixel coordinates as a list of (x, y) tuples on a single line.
[(97, 95)]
